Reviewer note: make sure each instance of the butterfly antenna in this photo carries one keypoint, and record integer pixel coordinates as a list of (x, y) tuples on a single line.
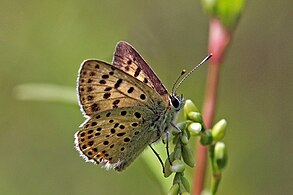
[(180, 76), (186, 75)]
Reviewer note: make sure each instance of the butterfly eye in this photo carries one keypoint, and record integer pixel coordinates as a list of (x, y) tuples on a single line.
[(175, 102)]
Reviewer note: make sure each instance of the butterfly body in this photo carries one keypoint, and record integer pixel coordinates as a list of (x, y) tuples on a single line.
[(126, 106)]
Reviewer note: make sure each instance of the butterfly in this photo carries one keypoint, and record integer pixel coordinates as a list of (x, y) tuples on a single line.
[(127, 108)]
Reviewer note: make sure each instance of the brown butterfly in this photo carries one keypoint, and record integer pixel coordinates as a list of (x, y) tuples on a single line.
[(127, 108)]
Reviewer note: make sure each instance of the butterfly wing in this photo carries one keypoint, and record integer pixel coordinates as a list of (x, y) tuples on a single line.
[(116, 137), (128, 59), (102, 86), (121, 115)]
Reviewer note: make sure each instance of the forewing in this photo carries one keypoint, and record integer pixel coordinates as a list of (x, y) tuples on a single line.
[(102, 86), (128, 59), (116, 137)]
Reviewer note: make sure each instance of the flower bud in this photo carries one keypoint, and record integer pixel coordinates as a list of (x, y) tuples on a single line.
[(194, 129), (228, 11), (174, 189), (185, 183), (195, 116), (206, 138), (184, 139), (188, 156), (177, 152), (219, 130), (167, 167), (177, 166), (220, 155), (189, 107)]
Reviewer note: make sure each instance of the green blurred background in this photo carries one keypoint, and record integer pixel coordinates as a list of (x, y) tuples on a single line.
[(45, 42)]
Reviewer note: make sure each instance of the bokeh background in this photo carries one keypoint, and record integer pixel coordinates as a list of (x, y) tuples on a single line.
[(44, 42)]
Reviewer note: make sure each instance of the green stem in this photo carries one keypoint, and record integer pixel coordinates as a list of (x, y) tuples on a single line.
[(216, 178), (216, 175)]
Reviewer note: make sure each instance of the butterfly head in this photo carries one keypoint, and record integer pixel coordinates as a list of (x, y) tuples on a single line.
[(176, 101)]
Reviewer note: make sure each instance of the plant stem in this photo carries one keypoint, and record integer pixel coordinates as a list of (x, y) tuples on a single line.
[(219, 38)]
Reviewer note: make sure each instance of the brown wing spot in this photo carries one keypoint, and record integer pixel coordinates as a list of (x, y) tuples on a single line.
[(95, 107), (84, 72), (90, 97), (123, 113), (92, 73), (127, 68), (97, 134), (83, 146), (105, 76), (97, 66), (103, 82), (130, 90), (134, 124), (113, 131), (82, 134), (116, 125), (126, 139), (81, 89), (137, 114), (137, 71), (108, 89), (90, 136), (90, 80), (118, 83), (145, 80), (121, 126), (98, 116), (111, 73), (106, 142), (82, 140), (122, 148), (111, 121), (142, 96), (95, 149), (129, 62), (112, 146), (89, 89), (82, 80), (90, 131), (106, 95), (99, 129), (91, 143), (112, 67), (115, 103), (94, 123), (90, 153), (108, 114), (120, 134), (136, 133)]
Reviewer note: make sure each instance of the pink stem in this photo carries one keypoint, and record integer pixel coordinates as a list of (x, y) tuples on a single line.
[(219, 38)]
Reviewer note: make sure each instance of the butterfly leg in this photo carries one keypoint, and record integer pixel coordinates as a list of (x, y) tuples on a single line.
[(175, 127), (158, 156), (167, 147), (167, 140)]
